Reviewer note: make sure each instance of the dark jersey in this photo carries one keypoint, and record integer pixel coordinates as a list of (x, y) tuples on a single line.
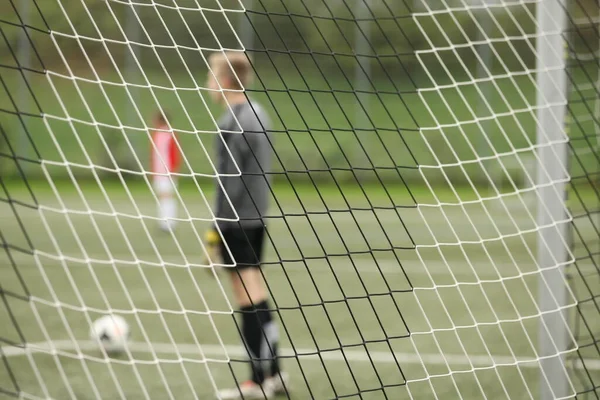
[(243, 157)]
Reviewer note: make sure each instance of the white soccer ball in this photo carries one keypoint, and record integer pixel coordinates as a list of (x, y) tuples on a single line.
[(111, 332)]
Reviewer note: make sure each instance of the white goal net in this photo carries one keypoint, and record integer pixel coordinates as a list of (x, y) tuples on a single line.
[(434, 219)]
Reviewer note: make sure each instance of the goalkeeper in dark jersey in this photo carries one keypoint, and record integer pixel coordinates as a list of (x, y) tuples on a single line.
[(244, 155)]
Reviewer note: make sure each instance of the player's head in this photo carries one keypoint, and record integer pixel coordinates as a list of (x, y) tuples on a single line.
[(160, 117), (230, 71)]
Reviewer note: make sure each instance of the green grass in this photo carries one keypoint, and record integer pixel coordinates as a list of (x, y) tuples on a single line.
[(339, 301)]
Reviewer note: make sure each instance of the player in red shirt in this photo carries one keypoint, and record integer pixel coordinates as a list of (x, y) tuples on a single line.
[(165, 160)]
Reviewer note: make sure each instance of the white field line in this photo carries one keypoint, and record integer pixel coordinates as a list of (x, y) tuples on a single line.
[(226, 352), (390, 267), (429, 214)]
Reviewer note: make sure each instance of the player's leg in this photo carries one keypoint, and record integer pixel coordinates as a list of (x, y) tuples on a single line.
[(258, 327), (167, 203)]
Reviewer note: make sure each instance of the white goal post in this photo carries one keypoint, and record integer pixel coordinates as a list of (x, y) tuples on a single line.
[(553, 246)]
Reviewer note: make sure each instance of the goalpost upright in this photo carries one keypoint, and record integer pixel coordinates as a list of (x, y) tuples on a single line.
[(131, 59), (25, 60), (552, 215), (246, 27), (362, 70)]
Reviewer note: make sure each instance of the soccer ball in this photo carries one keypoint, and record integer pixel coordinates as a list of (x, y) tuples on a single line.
[(111, 332)]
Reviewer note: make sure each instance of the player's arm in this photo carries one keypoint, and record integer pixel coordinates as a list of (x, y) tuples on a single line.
[(234, 158), (174, 153), (234, 185)]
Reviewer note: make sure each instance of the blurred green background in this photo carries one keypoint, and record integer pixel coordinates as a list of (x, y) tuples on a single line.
[(418, 110)]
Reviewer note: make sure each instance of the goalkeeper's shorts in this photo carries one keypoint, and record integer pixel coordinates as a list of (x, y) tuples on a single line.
[(164, 184), (242, 247)]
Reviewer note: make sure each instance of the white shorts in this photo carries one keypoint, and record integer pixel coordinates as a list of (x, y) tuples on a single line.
[(164, 184)]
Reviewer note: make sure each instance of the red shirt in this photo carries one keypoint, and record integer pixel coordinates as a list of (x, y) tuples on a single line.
[(165, 156)]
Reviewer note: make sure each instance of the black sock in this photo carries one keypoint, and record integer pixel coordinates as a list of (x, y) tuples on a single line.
[(261, 336)]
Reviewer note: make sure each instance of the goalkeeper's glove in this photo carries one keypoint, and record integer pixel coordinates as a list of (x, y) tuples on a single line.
[(212, 240)]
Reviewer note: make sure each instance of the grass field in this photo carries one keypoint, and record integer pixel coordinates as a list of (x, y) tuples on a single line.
[(446, 312)]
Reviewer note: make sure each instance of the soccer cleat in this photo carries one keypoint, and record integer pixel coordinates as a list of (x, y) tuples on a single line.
[(278, 384), (248, 390)]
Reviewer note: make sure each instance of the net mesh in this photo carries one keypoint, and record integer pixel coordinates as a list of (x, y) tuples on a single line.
[(402, 256), (584, 128)]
